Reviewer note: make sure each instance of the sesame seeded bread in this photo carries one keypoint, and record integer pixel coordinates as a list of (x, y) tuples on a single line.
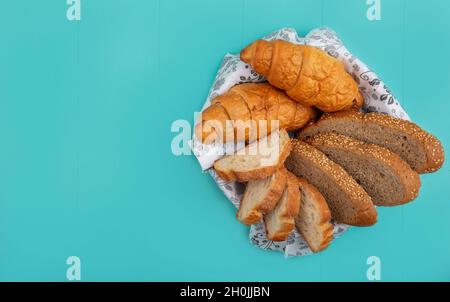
[(256, 161), (383, 174), (261, 196), (313, 219), (421, 150), (280, 221), (347, 200)]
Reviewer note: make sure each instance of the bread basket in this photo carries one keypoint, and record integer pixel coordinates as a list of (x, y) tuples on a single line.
[(377, 98)]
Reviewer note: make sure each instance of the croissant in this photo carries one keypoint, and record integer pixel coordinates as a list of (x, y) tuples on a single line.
[(250, 111), (307, 74)]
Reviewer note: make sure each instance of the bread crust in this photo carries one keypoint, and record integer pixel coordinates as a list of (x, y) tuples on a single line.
[(267, 203), (237, 109), (288, 213), (272, 105), (325, 226), (212, 115), (286, 112), (303, 114), (257, 173), (407, 176), (432, 146), (289, 58), (358, 199), (252, 94)]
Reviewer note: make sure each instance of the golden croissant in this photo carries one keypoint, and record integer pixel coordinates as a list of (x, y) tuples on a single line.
[(250, 111), (307, 74)]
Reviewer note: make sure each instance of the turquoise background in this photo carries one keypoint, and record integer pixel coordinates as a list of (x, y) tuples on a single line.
[(86, 167)]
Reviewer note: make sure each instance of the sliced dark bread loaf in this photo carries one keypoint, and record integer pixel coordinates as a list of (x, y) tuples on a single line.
[(421, 150), (257, 160), (387, 178), (280, 221), (347, 200), (313, 219), (261, 196)]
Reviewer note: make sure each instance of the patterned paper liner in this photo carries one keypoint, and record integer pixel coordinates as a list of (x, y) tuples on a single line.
[(233, 71)]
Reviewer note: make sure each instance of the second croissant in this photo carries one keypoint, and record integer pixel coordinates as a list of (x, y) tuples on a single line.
[(247, 112)]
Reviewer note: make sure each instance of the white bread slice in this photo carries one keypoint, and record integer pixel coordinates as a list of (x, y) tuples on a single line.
[(258, 160), (261, 196), (280, 221), (313, 219)]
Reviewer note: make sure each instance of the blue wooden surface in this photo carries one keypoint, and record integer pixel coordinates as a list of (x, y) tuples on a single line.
[(86, 167)]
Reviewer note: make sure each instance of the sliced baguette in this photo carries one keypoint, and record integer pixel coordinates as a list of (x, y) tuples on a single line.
[(261, 196), (383, 174), (256, 161), (280, 221), (347, 200), (421, 150), (313, 219)]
